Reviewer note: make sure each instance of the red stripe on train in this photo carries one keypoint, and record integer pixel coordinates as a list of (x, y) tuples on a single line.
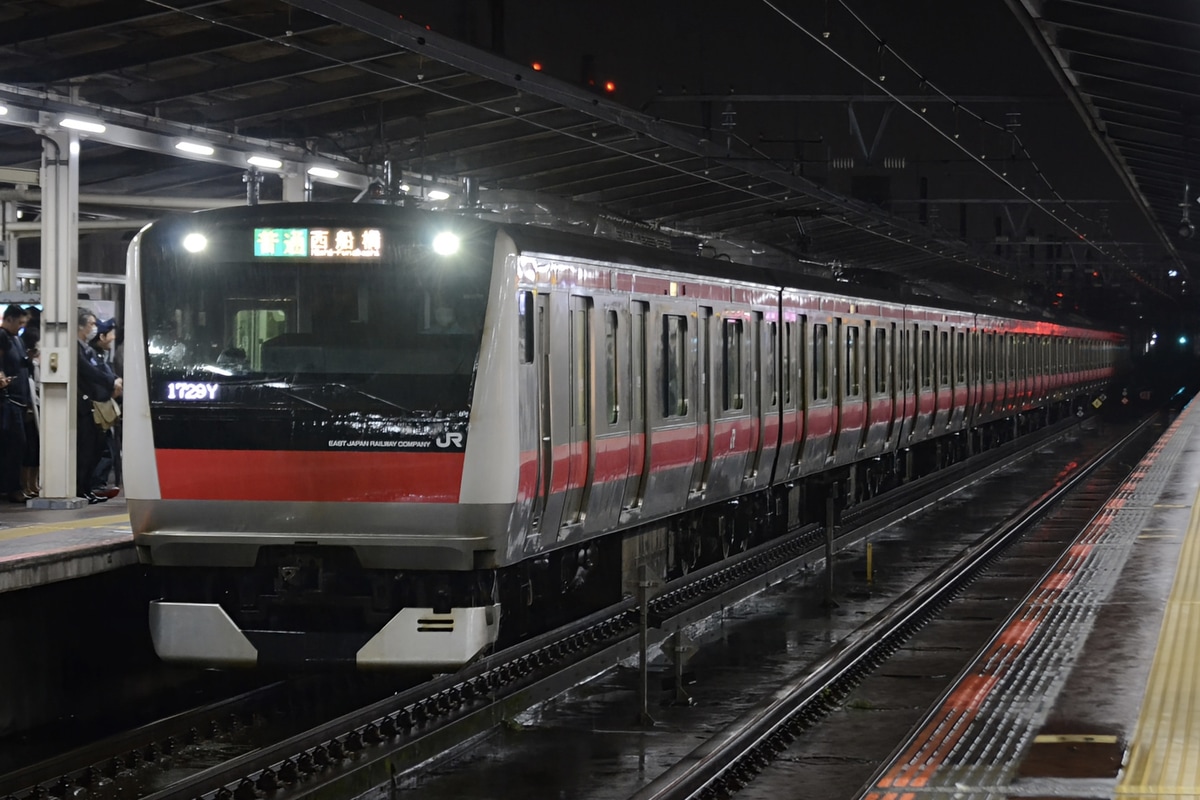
[(361, 477)]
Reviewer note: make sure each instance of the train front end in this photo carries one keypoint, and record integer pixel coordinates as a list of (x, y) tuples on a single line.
[(300, 381)]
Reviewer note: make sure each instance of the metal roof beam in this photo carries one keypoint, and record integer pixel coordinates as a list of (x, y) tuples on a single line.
[(140, 54), (80, 19)]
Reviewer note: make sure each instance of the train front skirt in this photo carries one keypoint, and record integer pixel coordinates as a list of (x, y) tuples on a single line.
[(417, 638)]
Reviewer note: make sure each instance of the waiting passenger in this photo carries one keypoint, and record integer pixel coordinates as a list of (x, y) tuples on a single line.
[(17, 402), (96, 383)]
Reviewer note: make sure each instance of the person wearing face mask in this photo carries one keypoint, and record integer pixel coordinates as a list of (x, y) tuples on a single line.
[(96, 383)]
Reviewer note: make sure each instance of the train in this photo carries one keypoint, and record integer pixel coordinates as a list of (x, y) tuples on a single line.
[(374, 436)]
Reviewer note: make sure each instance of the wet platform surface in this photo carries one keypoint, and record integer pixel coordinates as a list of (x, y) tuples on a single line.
[(1058, 704), (588, 743), (41, 546)]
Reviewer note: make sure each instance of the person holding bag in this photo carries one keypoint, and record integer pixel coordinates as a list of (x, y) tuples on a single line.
[(98, 388)]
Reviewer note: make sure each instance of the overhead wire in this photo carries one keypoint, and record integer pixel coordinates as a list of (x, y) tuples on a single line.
[(883, 46), (952, 140), (971, 260)]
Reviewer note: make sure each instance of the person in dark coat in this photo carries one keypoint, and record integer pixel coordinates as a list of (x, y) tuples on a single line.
[(31, 464), (16, 400), (96, 383), (109, 463)]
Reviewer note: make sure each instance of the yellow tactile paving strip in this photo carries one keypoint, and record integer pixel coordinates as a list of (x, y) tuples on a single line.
[(1164, 757), (979, 742), (23, 531)]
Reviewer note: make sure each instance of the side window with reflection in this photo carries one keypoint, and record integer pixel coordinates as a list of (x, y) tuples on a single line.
[(880, 358), (853, 362), (674, 347), (926, 359), (731, 364), (820, 362), (611, 370), (525, 327)]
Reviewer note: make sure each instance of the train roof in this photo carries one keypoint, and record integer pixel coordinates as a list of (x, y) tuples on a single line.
[(578, 243)]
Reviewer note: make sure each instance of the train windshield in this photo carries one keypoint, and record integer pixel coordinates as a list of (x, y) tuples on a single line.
[(367, 312)]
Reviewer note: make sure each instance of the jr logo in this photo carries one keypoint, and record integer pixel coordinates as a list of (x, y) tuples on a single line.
[(448, 439)]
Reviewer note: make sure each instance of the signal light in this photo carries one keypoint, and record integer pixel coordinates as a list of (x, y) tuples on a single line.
[(610, 87), (537, 66)]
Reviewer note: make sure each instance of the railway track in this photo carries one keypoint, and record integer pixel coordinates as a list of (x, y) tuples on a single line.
[(239, 750), (736, 756)]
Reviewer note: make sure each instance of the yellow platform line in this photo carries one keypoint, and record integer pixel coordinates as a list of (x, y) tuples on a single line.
[(51, 527), (1164, 759)]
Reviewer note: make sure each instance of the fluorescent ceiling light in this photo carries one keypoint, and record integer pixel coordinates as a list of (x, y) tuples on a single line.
[(323, 172), (265, 162), (82, 125), (199, 148), (438, 194), (3, 109)]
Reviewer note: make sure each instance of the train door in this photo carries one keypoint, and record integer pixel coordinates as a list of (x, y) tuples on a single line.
[(801, 377), (943, 380), (548, 506), (610, 422), (755, 376), (885, 337), (905, 385), (881, 411), (771, 403), (579, 417), (958, 378), (821, 412), (789, 373), (704, 421), (926, 388), (671, 406), (639, 450)]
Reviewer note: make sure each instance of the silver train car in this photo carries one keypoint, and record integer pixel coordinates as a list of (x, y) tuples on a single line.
[(381, 437)]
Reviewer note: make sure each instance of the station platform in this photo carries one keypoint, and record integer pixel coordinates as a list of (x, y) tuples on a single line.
[(41, 546), (1092, 688)]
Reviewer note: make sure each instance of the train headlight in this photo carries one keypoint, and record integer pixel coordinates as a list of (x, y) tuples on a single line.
[(195, 242), (446, 243)]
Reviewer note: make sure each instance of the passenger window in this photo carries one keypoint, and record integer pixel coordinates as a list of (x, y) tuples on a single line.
[(769, 365), (580, 366), (637, 359), (674, 365), (787, 362), (926, 357), (943, 343), (731, 364), (881, 361), (525, 327), (960, 358), (989, 356), (820, 362), (853, 363), (611, 367)]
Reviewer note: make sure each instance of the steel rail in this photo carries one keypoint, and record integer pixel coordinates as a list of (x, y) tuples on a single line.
[(730, 758)]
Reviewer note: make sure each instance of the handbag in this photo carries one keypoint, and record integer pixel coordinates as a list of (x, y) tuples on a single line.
[(106, 414)]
